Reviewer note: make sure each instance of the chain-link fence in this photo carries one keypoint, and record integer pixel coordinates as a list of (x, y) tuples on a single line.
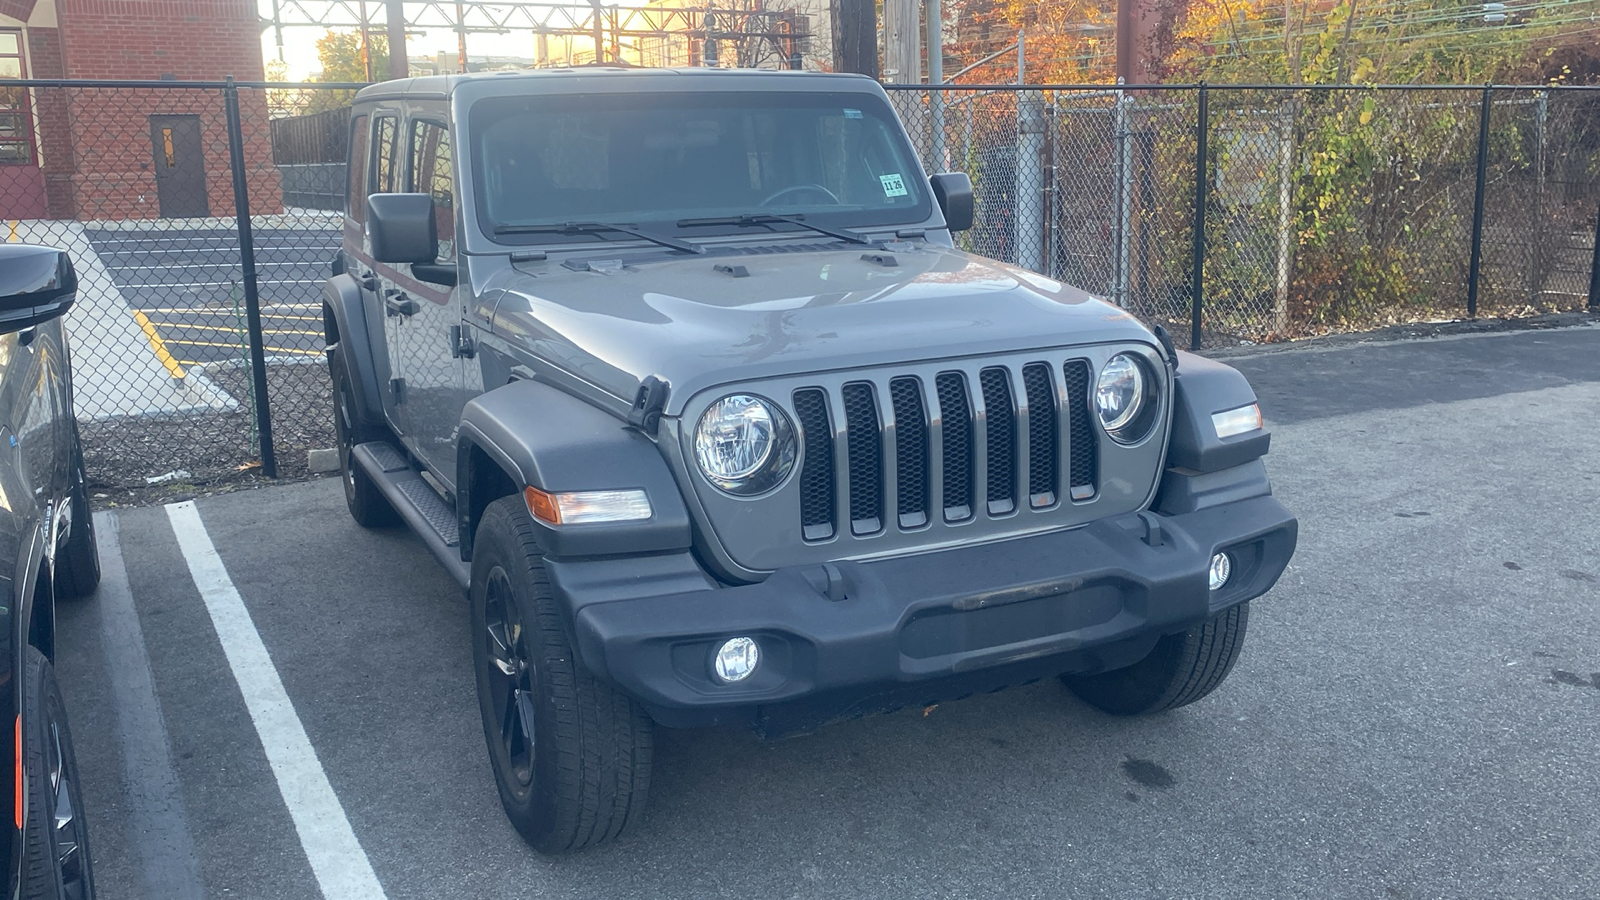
[(197, 335), (1324, 208), (203, 218)]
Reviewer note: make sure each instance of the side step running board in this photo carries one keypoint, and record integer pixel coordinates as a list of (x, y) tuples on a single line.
[(428, 515)]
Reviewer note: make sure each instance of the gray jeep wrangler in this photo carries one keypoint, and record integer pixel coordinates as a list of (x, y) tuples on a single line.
[(680, 376)]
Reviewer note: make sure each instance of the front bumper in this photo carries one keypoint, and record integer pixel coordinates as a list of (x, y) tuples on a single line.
[(935, 624)]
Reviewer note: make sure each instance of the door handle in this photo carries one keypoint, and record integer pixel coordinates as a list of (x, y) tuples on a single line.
[(399, 304)]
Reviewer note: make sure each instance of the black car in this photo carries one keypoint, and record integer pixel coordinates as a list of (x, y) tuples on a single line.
[(47, 551)]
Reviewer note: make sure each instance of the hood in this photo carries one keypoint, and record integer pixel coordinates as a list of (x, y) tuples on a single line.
[(721, 318)]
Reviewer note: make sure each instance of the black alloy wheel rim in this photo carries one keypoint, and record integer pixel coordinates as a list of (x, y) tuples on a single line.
[(67, 824), (512, 678), (341, 428)]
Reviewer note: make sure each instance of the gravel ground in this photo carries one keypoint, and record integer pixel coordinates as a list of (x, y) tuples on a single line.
[(212, 452)]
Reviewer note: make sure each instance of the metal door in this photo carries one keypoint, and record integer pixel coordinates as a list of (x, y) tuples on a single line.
[(179, 166)]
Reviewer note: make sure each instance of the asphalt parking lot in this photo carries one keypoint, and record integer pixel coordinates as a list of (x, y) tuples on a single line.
[(1415, 714), (186, 282)]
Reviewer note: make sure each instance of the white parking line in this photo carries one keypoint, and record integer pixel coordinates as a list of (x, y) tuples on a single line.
[(340, 865)]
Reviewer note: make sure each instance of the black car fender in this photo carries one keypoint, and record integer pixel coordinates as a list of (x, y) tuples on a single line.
[(341, 300), (33, 626), (536, 435)]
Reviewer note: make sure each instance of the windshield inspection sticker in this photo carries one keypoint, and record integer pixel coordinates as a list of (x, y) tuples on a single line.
[(893, 185), (852, 114)]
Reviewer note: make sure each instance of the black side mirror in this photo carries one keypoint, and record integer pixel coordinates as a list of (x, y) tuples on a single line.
[(400, 228), (953, 191), (37, 284)]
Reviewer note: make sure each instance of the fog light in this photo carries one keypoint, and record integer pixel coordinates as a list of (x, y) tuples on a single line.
[(736, 659), (1221, 568)]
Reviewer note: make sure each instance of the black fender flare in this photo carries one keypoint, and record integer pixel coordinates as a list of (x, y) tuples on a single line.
[(30, 563), (1205, 386), (341, 297), (540, 436)]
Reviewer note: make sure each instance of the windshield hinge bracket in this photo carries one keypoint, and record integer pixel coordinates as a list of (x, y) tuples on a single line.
[(648, 404)]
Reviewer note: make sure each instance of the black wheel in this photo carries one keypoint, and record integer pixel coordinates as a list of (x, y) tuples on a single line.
[(77, 571), (367, 504), (56, 837), (1180, 670), (571, 756)]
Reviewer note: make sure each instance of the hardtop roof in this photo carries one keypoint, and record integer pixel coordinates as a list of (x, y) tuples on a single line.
[(441, 86)]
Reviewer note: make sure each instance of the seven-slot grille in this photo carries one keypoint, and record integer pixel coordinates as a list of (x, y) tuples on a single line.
[(958, 448)]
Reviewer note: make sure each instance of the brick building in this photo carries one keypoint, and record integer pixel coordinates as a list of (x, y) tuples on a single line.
[(96, 153)]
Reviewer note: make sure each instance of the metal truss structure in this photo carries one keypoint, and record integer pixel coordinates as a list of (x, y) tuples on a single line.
[(662, 33)]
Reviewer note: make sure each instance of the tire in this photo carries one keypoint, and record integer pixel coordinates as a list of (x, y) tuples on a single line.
[(1181, 669), (367, 504), (77, 571), (56, 847), (580, 775)]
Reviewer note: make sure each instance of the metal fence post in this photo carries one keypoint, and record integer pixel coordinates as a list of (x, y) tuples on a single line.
[(1197, 288), (1475, 264), (1030, 181), (247, 262), (1123, 228), (1594, 270)]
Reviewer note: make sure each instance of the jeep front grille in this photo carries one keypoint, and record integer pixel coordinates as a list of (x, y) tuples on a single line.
[(911, 437), (918, 455)]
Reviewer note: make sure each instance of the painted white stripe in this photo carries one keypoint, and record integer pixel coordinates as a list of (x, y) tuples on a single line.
[(215, 265), (190, 284), (340, 865)]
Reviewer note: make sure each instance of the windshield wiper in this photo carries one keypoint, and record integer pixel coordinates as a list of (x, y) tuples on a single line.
[(600, 228), (769, 218)]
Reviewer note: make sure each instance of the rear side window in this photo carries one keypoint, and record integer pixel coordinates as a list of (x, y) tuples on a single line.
[(431, 174), (386, 173), (356, 192)]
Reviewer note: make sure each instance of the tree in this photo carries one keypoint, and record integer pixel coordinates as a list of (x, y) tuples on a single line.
[(1066, 41), (340, 55)]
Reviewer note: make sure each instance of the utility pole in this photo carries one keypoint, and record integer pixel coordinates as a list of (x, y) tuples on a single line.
[(395, 13), (902, 45), (366, 48), (936, 144), (461, 36), (1127, 52), (855, 36)]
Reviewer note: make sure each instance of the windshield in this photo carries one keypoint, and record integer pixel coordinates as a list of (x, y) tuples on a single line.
[(653, 159)]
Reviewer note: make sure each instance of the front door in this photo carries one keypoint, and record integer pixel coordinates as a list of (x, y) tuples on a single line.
[(179, 166), (385, 326), (428, 358)]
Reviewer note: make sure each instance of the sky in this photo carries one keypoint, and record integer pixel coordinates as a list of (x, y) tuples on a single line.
[(300, 51)]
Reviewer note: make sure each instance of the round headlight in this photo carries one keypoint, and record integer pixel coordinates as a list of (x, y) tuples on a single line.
[(1120, 393), (744, 445)]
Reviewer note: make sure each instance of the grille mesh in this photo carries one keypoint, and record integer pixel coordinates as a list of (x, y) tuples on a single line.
[(866, 458), (955, 416), (1085, 458), (910, 451), (816, 475), (1000, 430), (1041, 433)]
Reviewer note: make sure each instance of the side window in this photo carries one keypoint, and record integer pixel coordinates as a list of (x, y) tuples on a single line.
[(386, 174), (356, 190), (431, 174)]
